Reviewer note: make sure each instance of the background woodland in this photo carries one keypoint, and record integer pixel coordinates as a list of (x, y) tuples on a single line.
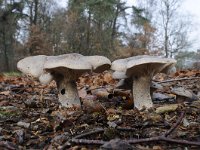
[(94, 27)]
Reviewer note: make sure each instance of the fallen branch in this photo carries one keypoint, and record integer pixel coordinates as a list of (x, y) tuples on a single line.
[(136, 126), (88, 133), (172, 80), (88, 142), (137, 141), (162, 138), (175, 125)]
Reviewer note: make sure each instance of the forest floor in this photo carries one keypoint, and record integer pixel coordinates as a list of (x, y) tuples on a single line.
[(30, 117)]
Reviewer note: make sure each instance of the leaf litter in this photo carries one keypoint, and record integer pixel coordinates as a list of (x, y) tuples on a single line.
[(30, 117)]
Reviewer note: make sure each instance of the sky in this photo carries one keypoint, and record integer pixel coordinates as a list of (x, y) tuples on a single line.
[(193, 7), (189, 6)]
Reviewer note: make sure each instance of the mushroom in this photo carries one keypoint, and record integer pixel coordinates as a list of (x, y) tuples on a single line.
[(140, 70), (33, 66), (65, 70)]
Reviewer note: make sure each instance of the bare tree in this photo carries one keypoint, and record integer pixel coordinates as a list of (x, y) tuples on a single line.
[(173, 27)]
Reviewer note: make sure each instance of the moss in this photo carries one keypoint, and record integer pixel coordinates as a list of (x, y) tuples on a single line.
[(9, 113), (12, 74)]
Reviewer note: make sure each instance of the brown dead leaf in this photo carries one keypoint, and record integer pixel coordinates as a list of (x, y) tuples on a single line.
[(187, 73), (97, 82), (6, 93), (1, 78), (107, 78), (84, 81), (102, 93), (91, 106)]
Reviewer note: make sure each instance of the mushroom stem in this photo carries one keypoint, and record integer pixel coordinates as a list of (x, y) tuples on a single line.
[(68, 93), (141, 92)]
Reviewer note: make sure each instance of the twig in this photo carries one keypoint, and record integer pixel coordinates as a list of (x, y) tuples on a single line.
[(88, 133), (127, 129), (88, 142), (136, 141), (136, 126), (162, 138), (172, 80), (175, 125)]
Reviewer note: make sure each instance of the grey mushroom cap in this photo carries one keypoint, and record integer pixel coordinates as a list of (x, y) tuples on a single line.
[(32, 65), (149, 65), (63, 63), (121, 64), (170, 69), (143, 64), (99, 63), (77, 62)]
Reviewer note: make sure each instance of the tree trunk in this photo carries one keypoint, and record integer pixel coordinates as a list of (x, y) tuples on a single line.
[(6, 57), (35, 12), (166, 43), (114, 28), (88, 33)]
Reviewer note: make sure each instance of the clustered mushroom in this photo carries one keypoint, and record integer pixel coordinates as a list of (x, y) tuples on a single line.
[(140, 70), (65, 70)]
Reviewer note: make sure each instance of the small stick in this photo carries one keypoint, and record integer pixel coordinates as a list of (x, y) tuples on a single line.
[(88, 142), (175, 125), (136, 141), (88, 133), (162, 138), (172, 80)]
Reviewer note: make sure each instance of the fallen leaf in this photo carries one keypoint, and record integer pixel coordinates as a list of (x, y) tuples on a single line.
[(1, 78), (107, 78), (6, 93), (112, 117), (91, 106), (102, 93), (167, 108)]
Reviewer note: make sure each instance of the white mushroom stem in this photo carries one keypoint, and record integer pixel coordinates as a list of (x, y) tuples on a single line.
[(68, 93), (141, 92)]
